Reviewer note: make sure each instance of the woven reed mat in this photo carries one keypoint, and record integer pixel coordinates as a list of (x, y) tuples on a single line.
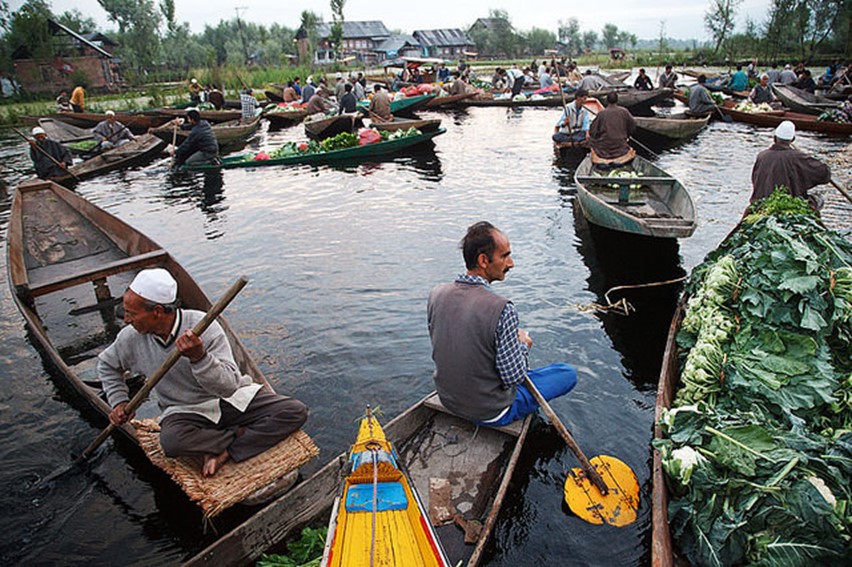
[(234, 482)]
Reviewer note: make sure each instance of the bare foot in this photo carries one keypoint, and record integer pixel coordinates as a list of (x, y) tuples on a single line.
[(213, 463)]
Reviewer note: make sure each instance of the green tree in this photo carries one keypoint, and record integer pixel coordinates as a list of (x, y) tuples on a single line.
[(569, 34), (540, 39), (308, 23), (662, 45), (609, 35), (719, 20), (28, 30), (590, 40), (498, 39), (138, 29), (336, 36)]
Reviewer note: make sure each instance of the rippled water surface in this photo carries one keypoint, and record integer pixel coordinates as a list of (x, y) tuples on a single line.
[(341, 261)]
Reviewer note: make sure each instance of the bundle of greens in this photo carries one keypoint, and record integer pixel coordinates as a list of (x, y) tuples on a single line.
[(759, 440), (339, 142), (396, 134), (304, 552)]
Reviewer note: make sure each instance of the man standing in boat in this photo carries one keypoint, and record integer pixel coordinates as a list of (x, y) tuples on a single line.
[(200, 147), (782, 164), (480, 354), (50, 158), (210, 409), (610, 132), (111, 133)]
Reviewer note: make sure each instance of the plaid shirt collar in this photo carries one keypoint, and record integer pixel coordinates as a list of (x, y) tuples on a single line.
[(475, 280)]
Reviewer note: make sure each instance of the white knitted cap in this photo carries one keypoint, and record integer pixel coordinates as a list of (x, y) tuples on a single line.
[(109, 113), (38, 130), (786, 131), (155, 284)]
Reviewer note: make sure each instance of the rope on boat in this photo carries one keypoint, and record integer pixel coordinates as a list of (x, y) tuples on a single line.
[(620, 307)]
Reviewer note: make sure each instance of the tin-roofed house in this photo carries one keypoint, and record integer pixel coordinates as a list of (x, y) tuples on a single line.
[(73, 54), (451, 43), (360, 39), (398, 46)]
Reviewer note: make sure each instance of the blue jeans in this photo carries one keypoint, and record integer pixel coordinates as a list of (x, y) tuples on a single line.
[(552, 381)]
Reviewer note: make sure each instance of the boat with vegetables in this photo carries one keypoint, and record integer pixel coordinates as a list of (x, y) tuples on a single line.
[(773, 118), (284, 114), (378, 517), (403, 106), (753, 430), (638, 198), (322, 128), (462, 485), (341, 148), (799, 100)]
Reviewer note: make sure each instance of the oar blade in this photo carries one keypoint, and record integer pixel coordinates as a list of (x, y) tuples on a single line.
[(618, 507)]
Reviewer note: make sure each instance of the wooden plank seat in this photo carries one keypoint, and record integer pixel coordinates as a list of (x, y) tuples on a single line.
[(602, 179), (513, 429), (102, 271)]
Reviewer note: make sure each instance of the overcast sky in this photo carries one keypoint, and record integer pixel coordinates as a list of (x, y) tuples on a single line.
[(683, 18)]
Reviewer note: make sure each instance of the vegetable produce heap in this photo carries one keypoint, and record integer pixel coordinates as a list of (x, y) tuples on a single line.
[(759, 440)]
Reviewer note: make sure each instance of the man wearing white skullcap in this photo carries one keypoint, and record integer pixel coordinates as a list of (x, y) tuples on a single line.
[(110, 133), (50, 158), (210, 408), (782, 164)]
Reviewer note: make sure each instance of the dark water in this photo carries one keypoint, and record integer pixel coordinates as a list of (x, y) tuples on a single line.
[(340, 262)]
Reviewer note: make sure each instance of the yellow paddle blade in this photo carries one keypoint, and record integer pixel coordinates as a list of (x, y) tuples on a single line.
[(618, 507)]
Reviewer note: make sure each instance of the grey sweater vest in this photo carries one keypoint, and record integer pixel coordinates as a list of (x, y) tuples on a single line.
[(462, 321)]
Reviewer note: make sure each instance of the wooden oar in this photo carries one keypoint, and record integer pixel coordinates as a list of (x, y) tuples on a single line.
[(613, 500), (170, 361), (564, 104), (42, 150)]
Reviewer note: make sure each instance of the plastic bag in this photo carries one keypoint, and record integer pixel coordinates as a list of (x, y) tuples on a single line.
[(368, 136)]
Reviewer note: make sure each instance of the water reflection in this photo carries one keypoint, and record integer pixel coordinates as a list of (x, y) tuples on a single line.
[(618, 259), (204, 189)]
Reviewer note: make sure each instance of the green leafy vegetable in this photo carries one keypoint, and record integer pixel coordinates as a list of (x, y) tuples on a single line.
[(304, 552)]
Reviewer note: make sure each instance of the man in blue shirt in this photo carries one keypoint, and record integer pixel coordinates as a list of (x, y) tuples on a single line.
[(573, 125), (480, 353), (739, 80)]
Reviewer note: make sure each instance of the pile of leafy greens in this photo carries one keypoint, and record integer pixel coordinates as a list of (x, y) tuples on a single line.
[(758, 447), (304, 552)]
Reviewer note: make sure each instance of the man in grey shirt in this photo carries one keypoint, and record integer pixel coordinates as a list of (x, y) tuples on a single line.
[(210, 409)]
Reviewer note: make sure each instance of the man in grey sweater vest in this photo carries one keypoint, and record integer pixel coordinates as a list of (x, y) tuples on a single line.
[(210, 408), (481, 356)]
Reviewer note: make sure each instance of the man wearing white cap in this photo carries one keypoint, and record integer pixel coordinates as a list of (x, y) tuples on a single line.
[(195, 89), (782, 164), (50, 158), (210, 409), (110, 133)]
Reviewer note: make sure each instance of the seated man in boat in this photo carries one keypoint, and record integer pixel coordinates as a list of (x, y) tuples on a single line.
[(380, 105), (289, 94), (348, 104), (62, 102), (50, 158), (738, 81), (762, 92), (319, 103), (195, 89), (210, 409), (248, 105), (459, 86), (573, 125), (480, 354), (668, 80), (782, 164), (610, 132), (806, 82), (700, 101), (643, 82), (111, 133), (592, 82), (200, 146)]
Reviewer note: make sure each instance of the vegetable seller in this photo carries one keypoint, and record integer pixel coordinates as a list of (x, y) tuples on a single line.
[(739, 80), (480, 354), (573, 125), (248, 105), (610, 132), (200, 147), (210, 409), (762, 92), (380, 105), (700, 101), (784, 165), (111, 133), (42, 147), (348, 104), (319, 103), (289, 94)]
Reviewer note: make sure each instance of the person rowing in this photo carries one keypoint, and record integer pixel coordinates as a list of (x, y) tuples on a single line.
[(573, 125), (110, 133), (50, 158), (610, 132)]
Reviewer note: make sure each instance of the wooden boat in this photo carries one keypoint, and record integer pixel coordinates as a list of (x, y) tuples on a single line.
[(140, 150), (660, 207), (772, 119), (332, 125), (482, 480), (356, 153), (802, 101), (618, 78), (449, 100), (227, 133), (69, 263), (212, 116), (424, 125), (379, 517), (137, 122), (675, 127), (272, 96), (695, 73), (63, 132), (507, 101), (284, 118), (404, 106), (633, 98)]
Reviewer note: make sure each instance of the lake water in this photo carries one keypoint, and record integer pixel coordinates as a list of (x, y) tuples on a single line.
[(340, 262)]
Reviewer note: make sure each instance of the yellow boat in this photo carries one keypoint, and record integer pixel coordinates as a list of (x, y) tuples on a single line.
[(378, 517)]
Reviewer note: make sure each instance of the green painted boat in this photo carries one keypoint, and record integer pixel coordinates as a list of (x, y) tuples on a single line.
[(652, 204), (405, 105), (357, 153)]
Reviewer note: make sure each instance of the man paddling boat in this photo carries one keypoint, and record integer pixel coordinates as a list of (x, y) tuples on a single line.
[(111, 133), (50, 158), (209, 408), (480, 354), (200, 147), (610, 132)]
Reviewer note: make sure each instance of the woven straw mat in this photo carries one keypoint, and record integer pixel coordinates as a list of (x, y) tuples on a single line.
[(234, 482)]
